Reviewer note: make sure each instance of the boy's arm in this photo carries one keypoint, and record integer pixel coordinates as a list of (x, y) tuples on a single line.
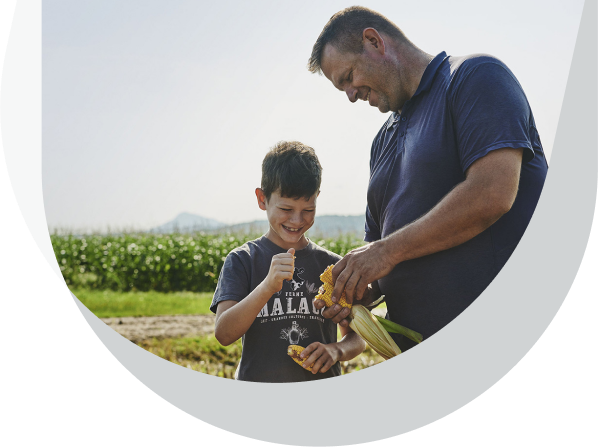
[(235, 318), (351, 344)]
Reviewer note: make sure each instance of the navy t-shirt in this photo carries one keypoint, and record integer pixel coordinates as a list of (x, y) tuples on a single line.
[(464, 108), (289, 317)]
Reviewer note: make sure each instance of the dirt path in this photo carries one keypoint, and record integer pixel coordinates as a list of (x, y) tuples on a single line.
[(139, 328)]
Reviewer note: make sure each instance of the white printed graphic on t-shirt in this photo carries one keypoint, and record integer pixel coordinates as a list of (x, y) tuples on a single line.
[(296, 282), (311, 288), (294, 333), (293, 301)]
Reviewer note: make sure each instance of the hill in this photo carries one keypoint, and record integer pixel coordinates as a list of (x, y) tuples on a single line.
[(324, 227), (187, 223)]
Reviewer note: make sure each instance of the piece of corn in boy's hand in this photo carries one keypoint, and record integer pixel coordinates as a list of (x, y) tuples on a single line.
[(294, 351), (326, 290)]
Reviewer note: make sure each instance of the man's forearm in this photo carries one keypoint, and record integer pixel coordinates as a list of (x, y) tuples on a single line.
[(488, 191), (464, 213)]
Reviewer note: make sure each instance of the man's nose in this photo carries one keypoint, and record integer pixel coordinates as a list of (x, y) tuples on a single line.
[(352, 94)]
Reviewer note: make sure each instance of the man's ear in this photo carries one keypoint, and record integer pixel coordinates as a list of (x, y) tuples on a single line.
[(373, 41), (261, 198)]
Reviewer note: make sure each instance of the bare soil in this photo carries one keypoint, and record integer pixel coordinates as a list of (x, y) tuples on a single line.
[(137, 329)]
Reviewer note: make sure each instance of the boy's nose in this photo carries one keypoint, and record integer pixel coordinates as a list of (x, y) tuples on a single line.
[(296, 218)]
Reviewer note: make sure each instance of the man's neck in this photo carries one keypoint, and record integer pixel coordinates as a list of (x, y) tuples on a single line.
[(413, 63)]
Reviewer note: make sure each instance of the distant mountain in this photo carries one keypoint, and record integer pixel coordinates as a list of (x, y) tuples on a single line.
[(335, 225), (247, 227), (324, 227), (187, 223)]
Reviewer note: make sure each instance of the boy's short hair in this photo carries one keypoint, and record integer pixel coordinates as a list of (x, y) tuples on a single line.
[(292, 169)]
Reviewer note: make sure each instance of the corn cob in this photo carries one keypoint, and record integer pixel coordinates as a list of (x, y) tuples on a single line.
[(294, 351), (327, 288), (364, 323)]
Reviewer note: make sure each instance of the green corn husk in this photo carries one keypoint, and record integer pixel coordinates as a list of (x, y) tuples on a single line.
[(368, 328), (393, 327)]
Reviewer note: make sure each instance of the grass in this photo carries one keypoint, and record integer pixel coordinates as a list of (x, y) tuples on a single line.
[(151, 303), (205, 354)]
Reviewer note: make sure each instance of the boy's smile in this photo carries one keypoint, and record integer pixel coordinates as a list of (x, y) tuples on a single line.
[(289, 218)]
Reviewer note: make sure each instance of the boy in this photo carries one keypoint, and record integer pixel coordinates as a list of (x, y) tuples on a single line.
[(266, 287)]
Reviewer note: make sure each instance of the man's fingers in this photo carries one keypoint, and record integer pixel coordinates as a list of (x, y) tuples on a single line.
[(338, 268), (339, 286), (351, 287), (361, 289)]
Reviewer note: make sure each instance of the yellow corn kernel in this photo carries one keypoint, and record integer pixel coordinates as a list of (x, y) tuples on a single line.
[(294, 351), (327, 288), (327, 276), (361, 320)]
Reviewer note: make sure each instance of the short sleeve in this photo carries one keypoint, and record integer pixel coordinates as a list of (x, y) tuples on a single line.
[(234, 281), (490, 111), (372, 232)]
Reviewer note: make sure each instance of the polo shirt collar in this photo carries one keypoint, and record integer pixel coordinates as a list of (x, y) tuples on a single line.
[(424, 84), (429, 74)]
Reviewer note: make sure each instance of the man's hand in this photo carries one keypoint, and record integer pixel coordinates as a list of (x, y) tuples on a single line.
[(487, 193), (358, 268), (338, 314)]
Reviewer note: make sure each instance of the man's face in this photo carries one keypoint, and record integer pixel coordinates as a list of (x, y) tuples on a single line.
[(289, 218), (363, 76)]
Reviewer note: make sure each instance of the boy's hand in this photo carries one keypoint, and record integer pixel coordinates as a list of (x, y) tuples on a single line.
[(282, 268), (322, 355)]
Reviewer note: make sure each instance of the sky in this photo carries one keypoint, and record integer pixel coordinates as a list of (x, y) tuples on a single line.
[(150, 108)]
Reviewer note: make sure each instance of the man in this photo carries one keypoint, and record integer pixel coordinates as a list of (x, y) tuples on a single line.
[(456, 171)]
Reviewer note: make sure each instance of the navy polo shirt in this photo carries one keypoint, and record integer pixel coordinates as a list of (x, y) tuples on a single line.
[(464, 108)]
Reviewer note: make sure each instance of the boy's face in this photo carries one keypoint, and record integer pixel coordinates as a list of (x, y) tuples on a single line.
[(289, 219)]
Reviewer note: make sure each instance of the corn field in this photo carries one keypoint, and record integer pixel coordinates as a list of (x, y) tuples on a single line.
[(143, 261)]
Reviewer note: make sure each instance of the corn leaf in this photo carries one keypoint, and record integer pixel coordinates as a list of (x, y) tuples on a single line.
[(392, 327)]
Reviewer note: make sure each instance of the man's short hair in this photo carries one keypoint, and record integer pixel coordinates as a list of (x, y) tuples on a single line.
[(292, 169), (344, 31)]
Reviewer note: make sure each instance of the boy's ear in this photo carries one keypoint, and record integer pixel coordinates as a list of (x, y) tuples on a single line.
[(261, 198)]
